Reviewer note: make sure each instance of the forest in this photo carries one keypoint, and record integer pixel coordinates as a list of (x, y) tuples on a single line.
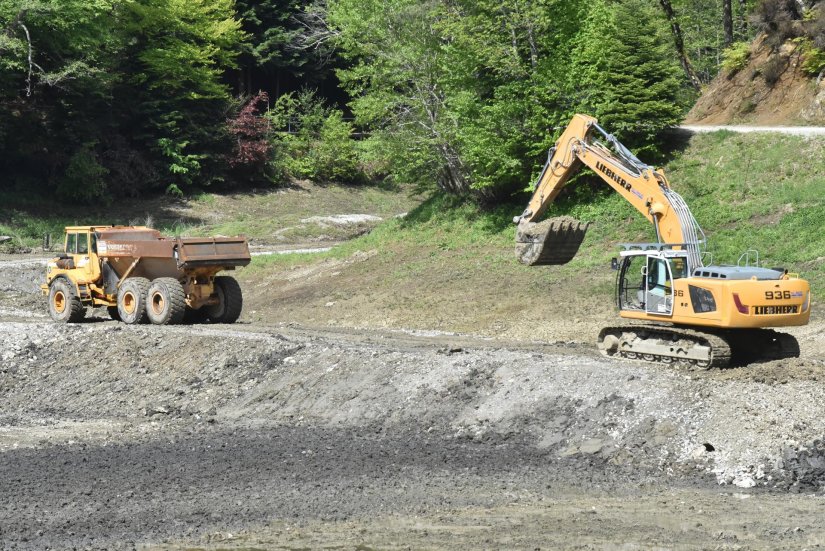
[(107, 99)]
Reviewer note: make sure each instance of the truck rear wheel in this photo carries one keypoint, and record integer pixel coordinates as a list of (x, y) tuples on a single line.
[(131, 300), (64, 304), (230, 301), (165, 301)]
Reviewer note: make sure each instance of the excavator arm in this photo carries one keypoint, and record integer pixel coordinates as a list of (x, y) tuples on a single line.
[(556, 241)]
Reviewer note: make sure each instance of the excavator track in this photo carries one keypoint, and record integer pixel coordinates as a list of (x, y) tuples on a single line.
[(666, 345), (551, 242)]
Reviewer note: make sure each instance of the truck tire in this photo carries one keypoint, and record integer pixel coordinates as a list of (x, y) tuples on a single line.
[(230, 301), (165, 301), (131, 300), (64, 304)]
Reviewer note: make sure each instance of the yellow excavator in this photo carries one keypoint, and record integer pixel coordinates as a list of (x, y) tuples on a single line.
[(683, 311)]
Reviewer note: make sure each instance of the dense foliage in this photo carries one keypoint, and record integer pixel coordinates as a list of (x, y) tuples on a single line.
[(112, 98), (469, 94)]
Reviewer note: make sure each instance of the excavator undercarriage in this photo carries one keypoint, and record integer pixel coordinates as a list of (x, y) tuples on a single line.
[(704, 349)]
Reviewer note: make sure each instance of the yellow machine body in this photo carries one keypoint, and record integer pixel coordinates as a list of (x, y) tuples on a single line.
[(665, 282)]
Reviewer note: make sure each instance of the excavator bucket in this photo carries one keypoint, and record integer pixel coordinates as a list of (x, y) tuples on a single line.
[(552, 241)]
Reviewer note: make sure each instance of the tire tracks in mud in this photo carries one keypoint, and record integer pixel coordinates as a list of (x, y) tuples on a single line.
[(188, 485)]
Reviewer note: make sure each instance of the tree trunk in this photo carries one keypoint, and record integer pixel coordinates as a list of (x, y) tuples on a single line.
[(679, 42), (727, 21), (743, 17)]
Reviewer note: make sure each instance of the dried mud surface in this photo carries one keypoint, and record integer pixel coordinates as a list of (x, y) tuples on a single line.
[(275, 436)]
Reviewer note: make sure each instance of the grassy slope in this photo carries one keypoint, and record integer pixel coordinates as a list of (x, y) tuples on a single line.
[(273, 218), (258, 214), (450, 266)]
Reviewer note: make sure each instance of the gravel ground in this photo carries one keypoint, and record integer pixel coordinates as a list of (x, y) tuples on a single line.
[(287, 437)]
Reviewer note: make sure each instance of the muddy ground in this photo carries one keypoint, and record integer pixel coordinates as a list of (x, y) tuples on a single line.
[(270, 435)]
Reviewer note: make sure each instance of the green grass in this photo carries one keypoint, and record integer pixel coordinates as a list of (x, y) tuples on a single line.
[(262, 215), (758, 191), (257, 214), (440, 224), (748, 191)]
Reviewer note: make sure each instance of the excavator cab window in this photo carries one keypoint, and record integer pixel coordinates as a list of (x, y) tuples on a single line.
[(630, 288), (658, 275), (659, 286), (678, 267)]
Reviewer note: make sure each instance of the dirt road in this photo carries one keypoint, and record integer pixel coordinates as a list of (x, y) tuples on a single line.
[(283, 437), (791, 130)]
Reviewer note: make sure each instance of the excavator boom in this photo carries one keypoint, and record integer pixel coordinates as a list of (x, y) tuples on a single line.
[(556, 241)]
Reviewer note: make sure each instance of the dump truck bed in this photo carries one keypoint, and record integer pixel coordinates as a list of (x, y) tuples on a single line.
[(212, 251), (168, 256)]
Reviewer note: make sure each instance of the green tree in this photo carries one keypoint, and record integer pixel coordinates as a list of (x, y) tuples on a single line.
[(630, 82), (56, 73), (517, 61), (286, 42), (400, 77), (703, 26), (126, 94), (461, 94), (470, 94), (179, 52)]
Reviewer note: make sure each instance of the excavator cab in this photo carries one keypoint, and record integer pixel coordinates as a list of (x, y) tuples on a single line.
[(645, 280)]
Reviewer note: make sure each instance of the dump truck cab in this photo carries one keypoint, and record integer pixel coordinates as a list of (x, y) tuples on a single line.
[(79, 263)]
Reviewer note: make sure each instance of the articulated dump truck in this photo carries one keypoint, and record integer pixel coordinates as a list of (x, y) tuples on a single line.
[(141, 276)]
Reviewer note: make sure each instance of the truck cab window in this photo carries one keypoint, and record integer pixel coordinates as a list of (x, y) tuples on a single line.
[(71, 243), (82, 243)]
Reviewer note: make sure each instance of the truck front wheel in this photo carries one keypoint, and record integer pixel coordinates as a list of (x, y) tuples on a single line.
[(230, 301), (166, 301), (64, 304), (131, 300)]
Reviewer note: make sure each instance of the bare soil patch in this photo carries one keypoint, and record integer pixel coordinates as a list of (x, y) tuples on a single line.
[(787, 97)]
